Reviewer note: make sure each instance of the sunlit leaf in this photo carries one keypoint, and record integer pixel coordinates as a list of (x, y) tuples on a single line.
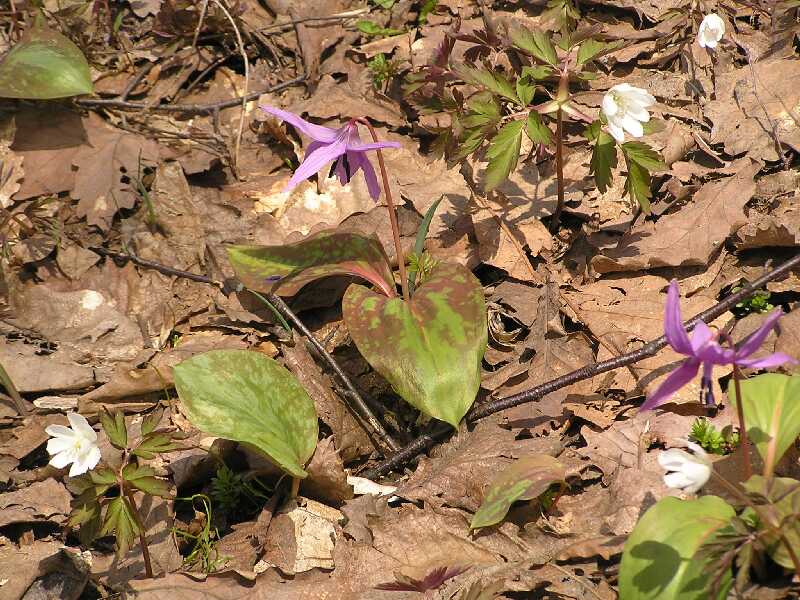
[(155, 443), (604, 159), (44, 65), (659, 561), (525, 92), (287, 268), (637, 185), (430, 348), (537, 71), (524, 479), (151, 421), (248, 397), (503, 153), (771, 404), (114, 426), (537, 130), (120, 522), (591, 48), (643, 155), (144, 478), (494, 82), (536, 43)]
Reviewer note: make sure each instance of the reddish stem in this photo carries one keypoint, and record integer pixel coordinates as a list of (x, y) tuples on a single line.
[(401, 261), (554, 224), (744, 441)]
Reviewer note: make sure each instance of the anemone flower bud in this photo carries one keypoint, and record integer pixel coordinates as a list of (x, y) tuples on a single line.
[(685, 471), (711, 31)]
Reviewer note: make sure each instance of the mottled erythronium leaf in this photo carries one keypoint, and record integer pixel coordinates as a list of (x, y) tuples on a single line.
[(287, 268), (44, 65), (771, 404), (659, 560), (783, 497), (524, 479), (247, 397), (429, 348)]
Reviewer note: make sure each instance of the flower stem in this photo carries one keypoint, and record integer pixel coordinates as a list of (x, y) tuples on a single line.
[(401, 261), (295, 488), (744, 441), (148, 566), (556, 221)]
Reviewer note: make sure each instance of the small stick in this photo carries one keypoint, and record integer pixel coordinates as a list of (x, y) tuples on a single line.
[(5, 380), (368, 419)]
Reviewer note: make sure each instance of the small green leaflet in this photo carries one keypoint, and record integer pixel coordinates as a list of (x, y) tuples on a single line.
[(537, 130), (121, 522), (536, 43), (537, 72), (591, 48), (503, 153), (525, 91), (370, 28), (494, 82), (144, 478), (643, 155), (604, 158), (640, 159), (387, 4), (114, 426), (44, 65)]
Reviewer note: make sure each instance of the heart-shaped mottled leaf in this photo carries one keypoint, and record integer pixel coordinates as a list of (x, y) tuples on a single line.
[(44, 65), (524, 479), (285, 269), (659, 560), (772, 413), (247, 397), (430, 348)]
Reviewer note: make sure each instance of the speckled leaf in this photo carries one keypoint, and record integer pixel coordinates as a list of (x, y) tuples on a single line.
[(429, 349), (44, 65), (524, 479), (247, 397), (285, 269)]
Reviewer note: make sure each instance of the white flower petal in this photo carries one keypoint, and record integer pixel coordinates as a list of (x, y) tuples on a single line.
[(610, 107), (81, 426), (616, 131), (638, 112), (59, 431), (62, 459), (632, 126), (78, 468), (92, 457), (59, 444), (673, 459), (677, 480)]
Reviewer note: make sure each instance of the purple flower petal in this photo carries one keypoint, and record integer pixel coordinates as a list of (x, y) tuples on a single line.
[(315, 160), (676, 380), (359, 147), (674, 330), (715, 354), (316, 132), (372, 181), (341, 171), (701, 335), (754, 341), (773, 360)]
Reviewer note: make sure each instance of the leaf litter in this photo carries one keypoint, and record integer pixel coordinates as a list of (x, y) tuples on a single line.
[(148, 166)]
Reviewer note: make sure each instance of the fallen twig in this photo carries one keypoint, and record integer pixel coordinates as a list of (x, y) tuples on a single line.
[(539, 391), (370, 422)]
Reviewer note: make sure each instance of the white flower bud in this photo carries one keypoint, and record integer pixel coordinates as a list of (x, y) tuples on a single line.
[(688, 472), (711, 31)]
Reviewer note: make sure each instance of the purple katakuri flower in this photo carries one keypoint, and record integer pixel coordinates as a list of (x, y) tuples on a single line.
[(342, 145), (704, 349)]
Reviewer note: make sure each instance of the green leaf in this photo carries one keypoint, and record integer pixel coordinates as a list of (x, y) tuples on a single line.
[(484, 103), (44, 65), (151, 421), (469, 143), (429, 348), (637, 185), (370, 28), (604, 159), (387, 4), (155, 443), (422, 233), (285, 269), (590, 48), (143, 478), (525, 92), (247, 397), (114, 426), (89, 517), (103, 476), (524, 479), (503, 153), (536, 43), (643, 155), (494, 82), (783, 495), (120, 521), (659, 561), (537, 130), (771, 404), (537, 72)]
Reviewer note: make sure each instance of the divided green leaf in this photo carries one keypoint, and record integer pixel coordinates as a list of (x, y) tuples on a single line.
[(537, 71), (121, 522), (783, 495), (144, 478), (637, 185), (604, 159), (643, 155), (524, 479), (372, 28), (525, 91), (503, 153), (659, 560), (247, 397), (494, 82), (114, 426), (151, 421), (536, 43), (287, 268), (44, 65), (155, 443), (537, 130), (429, 348)]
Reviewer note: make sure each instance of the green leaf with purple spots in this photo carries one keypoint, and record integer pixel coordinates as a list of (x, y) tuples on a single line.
[(248, 397), (524, 479), (287, 268), (430, 348)]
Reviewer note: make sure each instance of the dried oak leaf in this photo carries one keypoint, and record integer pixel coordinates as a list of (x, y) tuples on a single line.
[(779, 228), (107, 169), (34, 371), (21, 566), (327, 479), (689, 236), (46, 500)]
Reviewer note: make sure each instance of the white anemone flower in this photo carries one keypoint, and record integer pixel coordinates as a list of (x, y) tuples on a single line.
[(76, 444), (687, 472), (625, 108), (711, 31)]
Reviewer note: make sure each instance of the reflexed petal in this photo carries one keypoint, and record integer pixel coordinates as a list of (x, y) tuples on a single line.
[(59, 431), (616, 131), (92, 458), (314, 161), (768, 362), (610, 107), (372, 146), (59, 444), (62, 459), (677, 480), (754, 341), (673, 459), (316, 132), (674, 330), (632, 126), (676, 380), (639, 113), (370, 177), (81, 426)]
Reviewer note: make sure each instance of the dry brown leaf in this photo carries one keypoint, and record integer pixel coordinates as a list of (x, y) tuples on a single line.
[(28, 435), (779, 228), (789, 337), (690, 236), (327, 479), (241, 547), (21, 566), (35, 370), (45, 500)]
